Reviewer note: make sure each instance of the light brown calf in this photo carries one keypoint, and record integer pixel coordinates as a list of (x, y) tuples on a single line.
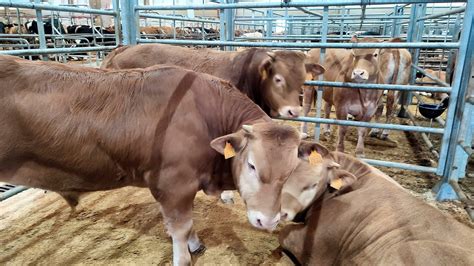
[(372, 221), (437, 74), (72, 130), (273, 80), (394, 65)]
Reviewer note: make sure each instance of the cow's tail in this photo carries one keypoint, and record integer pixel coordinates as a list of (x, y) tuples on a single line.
[(108, 62)]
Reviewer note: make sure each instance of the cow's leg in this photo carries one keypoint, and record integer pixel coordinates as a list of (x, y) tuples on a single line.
[(361, 132), (327, 113), (307, 100), (392, 98), (375, 132), (341, 114), (227, 197), (176, 206)]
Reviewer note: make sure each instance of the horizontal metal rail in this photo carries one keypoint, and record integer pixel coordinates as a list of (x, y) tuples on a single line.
[(377, 86), (437, 80), (441, 45), (405, 166), (12, 192), (317, 18), (365, 124), (145, 15), (58, 50), (36, 6), (451, 12), (321, 3)]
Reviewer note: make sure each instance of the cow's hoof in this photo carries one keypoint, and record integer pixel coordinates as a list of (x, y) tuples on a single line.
[(227, 201), (303, 135), (384, 137), (199, 251), (374, 134), (327, 134), (360, 155)]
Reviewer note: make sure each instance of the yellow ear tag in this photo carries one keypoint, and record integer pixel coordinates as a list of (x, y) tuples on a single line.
[(229, 151), (315, 158), (336, 184), (263, 73)]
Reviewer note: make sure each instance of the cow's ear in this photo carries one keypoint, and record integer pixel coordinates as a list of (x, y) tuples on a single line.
[(341, 179), (306, 147), (315, 69), (265, 68), (354, 39), (235, 140)]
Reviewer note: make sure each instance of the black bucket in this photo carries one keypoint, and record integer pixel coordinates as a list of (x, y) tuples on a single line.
[(432, 111)]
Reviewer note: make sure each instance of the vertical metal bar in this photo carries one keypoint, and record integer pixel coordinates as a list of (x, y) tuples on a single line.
[(457, 105), (127, 20), (395, 24), (117, 22), (18, 17), (452, 54), (322, 55), (341, 31), (269, 28), (222, 35), (41, 37), (414, 34), (229, 25), (457, 101)]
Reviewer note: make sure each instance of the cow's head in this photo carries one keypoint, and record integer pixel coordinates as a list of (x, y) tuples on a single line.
[(283, 74), (265, 156), (308, 182), (363, 65)]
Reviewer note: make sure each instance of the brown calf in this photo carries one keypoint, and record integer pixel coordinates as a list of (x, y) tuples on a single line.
[(394, 65), (272, 80), (373, 221), (437, 74), (74, 130)]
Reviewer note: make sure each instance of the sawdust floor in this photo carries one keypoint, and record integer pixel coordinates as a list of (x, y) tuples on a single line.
[(125, 227)]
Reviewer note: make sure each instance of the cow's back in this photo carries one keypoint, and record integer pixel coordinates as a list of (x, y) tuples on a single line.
[(146, 55), (96, 129), (333, 61)]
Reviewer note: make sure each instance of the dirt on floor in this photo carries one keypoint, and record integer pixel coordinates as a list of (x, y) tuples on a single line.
[(125, 226)]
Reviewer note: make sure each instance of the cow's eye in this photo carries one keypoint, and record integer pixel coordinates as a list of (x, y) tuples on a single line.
[(308, 187), (251, 166), (375, 55)]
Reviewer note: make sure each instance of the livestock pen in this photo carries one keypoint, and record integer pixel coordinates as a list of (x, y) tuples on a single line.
[(423, 155)]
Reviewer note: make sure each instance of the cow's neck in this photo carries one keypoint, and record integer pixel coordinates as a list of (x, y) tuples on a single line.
[(246, 77)]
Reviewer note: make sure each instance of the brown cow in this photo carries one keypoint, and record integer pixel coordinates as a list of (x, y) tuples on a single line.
[(437, 74), (370, 220), (394, 65), (332, 64), (71, 130), (272, 80)]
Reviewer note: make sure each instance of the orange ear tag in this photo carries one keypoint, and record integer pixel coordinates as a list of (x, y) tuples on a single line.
[(336, 184), (315, 158), (229, 151)]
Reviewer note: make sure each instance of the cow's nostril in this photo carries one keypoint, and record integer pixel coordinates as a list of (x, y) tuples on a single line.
[(290, 113), (259, 222), (284, 216)]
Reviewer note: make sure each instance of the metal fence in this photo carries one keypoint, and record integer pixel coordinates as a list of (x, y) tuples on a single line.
[(456, 130), (452, 156), (44, 47)]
